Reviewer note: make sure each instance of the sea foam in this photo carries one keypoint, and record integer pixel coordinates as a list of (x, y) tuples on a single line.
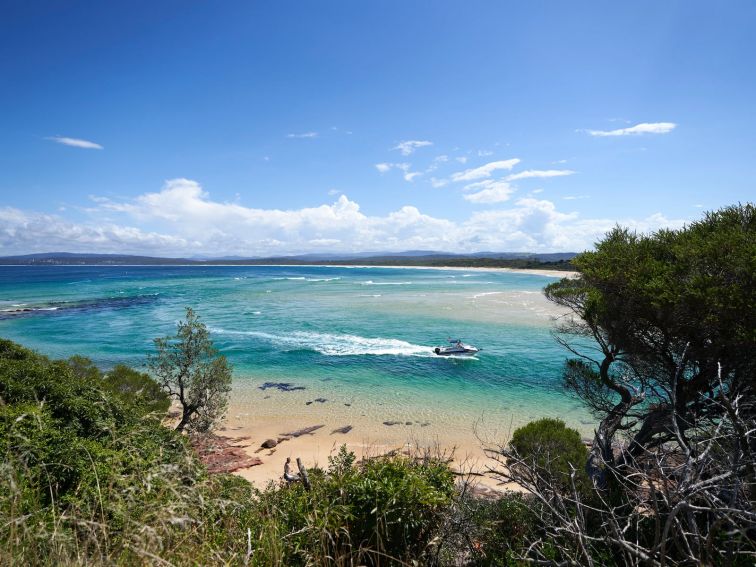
[(331, 344)]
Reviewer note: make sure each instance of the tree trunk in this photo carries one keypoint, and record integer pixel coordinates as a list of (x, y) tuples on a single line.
[(186, 415)]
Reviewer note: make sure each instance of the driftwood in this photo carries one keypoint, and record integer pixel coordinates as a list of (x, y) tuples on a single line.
[(345, 429), (292, 477), (303, 474)]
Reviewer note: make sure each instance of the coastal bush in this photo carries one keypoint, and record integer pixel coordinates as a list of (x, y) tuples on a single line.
[(485, 530), (553, 450), (372, 513), (132, 387), (83, 470), (93, 479)]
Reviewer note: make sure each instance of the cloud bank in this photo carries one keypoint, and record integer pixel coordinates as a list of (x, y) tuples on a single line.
[(181, 219)]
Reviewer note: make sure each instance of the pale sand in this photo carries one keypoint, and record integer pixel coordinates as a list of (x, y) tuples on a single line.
[(286, 412), (547, 273)]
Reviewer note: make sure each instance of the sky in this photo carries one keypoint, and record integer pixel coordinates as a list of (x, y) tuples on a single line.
[(184, 128)]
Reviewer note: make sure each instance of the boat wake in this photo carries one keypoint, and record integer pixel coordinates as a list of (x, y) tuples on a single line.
[(336, 345)]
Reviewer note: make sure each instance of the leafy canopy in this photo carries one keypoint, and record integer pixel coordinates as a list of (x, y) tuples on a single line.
[(188, 367)]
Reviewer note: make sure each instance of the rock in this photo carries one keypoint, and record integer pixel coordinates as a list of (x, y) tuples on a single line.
[(282, 386), (407, 423), (220, 456), (392, 423), (345, 429), (348, 405), (269, 444), (319, 400), (303, 431), (425, 424)]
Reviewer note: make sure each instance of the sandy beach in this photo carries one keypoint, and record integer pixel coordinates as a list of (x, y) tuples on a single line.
[(461, 441)]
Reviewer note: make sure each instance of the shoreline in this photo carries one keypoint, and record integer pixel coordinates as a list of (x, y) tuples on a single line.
[(255, 416), (465, 452), (531, 271)]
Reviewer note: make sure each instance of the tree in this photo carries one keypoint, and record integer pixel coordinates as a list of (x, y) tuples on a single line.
[(662, 326), (662, 329), (189, 369)]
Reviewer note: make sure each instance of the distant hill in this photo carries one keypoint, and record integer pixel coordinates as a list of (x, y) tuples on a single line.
[(559, 260)]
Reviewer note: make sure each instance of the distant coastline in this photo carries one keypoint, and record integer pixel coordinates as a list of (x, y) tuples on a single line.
[(541, 262)]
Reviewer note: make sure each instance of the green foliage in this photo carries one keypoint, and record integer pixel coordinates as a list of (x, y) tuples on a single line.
[(693, 290), (500, 529), (554, 450), (135, 389), (189, 369), (371, 512), (93, 479)]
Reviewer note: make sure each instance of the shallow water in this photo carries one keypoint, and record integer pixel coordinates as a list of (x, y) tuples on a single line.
[(351, 335)]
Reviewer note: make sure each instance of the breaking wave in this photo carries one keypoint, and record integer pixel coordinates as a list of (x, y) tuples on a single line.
[(371, 282)]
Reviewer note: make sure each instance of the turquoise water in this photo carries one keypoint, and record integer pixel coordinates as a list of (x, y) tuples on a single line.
[(351, 334)]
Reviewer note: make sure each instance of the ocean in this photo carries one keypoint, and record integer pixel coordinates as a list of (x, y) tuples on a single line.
[(360, 338)]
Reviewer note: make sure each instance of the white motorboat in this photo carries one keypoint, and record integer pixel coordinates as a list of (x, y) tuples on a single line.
[(456, 348)]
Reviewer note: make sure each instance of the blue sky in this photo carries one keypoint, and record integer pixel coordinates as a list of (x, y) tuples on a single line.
[(181, 128)]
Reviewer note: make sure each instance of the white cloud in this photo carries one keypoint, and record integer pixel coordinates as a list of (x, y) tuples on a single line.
[(438, 160), (484, 153), (404, 167), (642, 128), (181, 219), (461, 159), (75, 142), (539, 173), (489, 191), (27, 232), (303, 135), (437, 183), (484, 170), (409, 146), (576, 197)]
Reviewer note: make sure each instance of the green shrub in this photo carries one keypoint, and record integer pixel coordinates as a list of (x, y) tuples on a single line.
[(364, 513), (135, 389), (494, 530), (553, 449)]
